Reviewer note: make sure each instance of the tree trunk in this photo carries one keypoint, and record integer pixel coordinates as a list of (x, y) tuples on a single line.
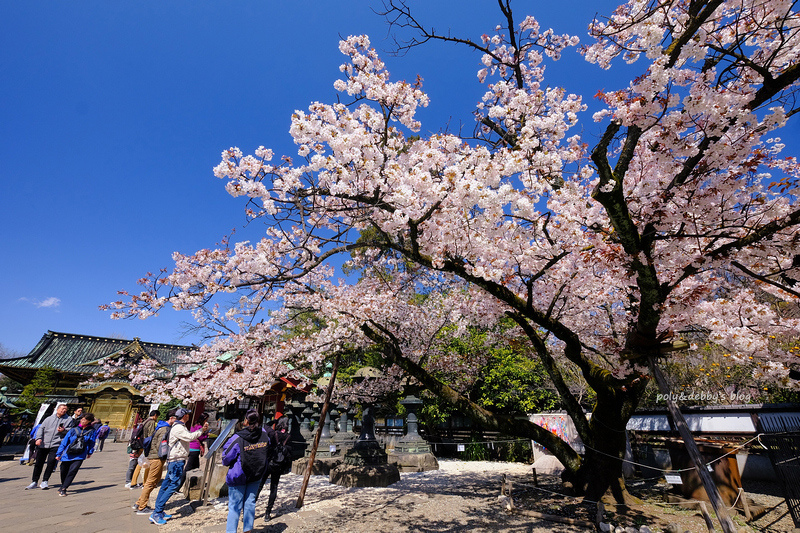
[(600, 472)]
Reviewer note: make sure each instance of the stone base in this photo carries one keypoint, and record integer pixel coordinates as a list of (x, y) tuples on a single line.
[(192, 489), (548, 464), (370, 454), (413, 462), (365, 476), (322, 465)]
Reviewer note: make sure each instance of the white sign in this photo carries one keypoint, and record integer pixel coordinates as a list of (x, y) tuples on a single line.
[(332, 448), (40, 414), (673, 479), (461, 448)]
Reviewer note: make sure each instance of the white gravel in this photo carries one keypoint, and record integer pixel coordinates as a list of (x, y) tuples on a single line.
[(460, 496)]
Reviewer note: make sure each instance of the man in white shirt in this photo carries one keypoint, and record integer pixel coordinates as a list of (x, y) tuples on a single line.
[(179, 439)]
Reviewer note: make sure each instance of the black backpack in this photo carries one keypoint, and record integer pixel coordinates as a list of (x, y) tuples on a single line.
[(136, 439), (77, 446), (254, 457), (282, 458)]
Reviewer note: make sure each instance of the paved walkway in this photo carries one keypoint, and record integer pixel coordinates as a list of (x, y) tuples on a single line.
[(96, 501)]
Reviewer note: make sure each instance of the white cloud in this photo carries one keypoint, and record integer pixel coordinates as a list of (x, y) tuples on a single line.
[(48, 302), (51, 302)]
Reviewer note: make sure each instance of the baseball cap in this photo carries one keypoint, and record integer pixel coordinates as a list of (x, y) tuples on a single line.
[(180, 413)]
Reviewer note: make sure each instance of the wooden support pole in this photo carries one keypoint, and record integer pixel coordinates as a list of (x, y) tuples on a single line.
[(323, 413), (694, 453), (601, 513), (745, 505), (706, 516)]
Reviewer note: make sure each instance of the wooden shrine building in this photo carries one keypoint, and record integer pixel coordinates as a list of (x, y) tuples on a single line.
[(77, 360)]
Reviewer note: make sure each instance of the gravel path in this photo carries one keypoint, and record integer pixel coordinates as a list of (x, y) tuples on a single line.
[(460, 496)]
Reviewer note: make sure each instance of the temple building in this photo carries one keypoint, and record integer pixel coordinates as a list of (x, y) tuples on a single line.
[(77, 360)]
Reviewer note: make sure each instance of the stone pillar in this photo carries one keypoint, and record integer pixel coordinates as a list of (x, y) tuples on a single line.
[(365, 463), (305, 425), (298, 440), (412, 453), (334, 416)]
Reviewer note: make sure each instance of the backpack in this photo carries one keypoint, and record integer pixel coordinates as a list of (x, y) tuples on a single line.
[(147, 444), (163, 446), (136, 438), (254, 457), (77, 446), (103, 432), (282, 458)]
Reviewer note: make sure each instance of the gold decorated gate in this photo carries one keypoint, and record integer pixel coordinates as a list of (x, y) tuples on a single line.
[(114, 411)]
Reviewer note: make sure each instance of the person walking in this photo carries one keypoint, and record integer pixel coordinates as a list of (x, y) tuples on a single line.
[(281, 460), (48, 438), (137, 444), (246, 455), (102, 433), (179, 439), (153, 476), (5, 429), (75, 419), (29, 456), (75, 447)]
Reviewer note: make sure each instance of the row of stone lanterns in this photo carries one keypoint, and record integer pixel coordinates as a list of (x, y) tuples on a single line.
[(358, 460)]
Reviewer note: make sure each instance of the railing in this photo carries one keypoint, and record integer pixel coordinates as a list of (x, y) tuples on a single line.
[(782, 440)]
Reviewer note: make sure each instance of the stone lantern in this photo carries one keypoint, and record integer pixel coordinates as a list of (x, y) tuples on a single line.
[(412, 453), (305, 425), (299, 442), (365, 464)]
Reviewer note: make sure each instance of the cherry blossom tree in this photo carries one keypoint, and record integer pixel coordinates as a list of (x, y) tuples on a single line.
[(602, 240)]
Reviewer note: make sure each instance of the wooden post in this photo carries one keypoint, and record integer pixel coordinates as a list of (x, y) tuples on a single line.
[(601, 513), (745, 505), (694, 453), (535, 478), (706, 516), (208, 471), (323, 413)]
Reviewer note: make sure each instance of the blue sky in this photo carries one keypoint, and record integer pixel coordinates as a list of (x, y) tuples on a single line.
[(113, 114)]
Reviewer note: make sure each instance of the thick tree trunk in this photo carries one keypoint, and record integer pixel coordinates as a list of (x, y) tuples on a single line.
[(600, 473), (604, 436)]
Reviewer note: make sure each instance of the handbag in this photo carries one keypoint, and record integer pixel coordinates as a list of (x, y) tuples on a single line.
[(77, 446)]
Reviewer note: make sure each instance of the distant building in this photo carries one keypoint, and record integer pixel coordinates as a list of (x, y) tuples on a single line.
[(77, 360)]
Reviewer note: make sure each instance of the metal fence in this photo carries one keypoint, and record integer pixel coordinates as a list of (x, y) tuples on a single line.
[(781, 437)]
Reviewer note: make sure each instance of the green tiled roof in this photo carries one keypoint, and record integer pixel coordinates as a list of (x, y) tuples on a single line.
[(69, 352)]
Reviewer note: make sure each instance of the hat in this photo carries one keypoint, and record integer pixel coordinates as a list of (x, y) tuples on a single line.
[(180, 413)]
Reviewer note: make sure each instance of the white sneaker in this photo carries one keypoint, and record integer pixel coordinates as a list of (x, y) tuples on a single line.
[(44, 485), (31, 486), (127, 485)]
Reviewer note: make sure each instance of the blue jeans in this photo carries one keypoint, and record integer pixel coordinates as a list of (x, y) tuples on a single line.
[(170, 485), (238, 496)]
